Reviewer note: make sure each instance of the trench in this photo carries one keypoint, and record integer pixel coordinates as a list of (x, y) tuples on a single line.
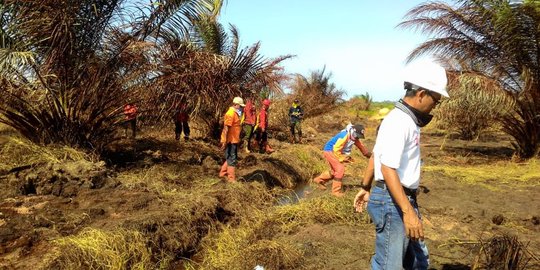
[(294, 195), (290, 196)]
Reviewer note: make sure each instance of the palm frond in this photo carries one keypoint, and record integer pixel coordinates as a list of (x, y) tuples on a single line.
[(497, 39)]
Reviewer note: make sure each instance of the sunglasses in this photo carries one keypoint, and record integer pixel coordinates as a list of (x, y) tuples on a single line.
[(437, 101)]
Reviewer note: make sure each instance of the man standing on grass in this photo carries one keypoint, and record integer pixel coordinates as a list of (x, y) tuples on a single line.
[(130, 112), (181, 121), (262, 129), (392, 203), (230, 138), (248, 122), (296, 114)]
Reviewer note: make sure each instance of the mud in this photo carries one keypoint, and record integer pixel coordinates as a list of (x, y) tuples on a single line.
[(43, 202)]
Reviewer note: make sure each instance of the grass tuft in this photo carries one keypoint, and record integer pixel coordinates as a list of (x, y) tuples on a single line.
[(256, 240), (18, 152), (506, 172), (97, 249), (325, 209)]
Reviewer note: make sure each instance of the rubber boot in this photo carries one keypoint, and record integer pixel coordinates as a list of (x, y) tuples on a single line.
[(337, 185), (322, 179), (223, 171), (231, 176), (269, 149), (247, 147)]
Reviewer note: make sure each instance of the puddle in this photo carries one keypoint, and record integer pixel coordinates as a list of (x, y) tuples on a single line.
[(299, 192)]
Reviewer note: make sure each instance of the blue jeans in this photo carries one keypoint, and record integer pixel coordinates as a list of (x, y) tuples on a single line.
[(231, 154), (393, 250)]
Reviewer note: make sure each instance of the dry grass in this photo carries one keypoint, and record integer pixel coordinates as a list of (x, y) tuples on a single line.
[(506, 172), (96, 249), (257, 241), (503, 252), (306, 160), (325, 209), (164, 179), (245, 247), (17, 151)]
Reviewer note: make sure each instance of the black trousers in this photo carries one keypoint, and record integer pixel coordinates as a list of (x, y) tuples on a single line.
[(181, 126), (131, 124)]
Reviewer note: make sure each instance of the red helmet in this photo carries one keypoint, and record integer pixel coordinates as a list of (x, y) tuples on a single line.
[(266, 102)]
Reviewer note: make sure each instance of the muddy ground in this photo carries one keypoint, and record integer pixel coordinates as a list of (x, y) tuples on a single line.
[(43, 201)]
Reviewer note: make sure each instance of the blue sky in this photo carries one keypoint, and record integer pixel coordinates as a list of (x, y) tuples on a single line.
[(356, 39)]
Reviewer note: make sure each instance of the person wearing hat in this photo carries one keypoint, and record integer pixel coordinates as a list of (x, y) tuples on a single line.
[(230, 138), (249, 120), (181, 121), (337, 151), (380, 116), (296, 114), (262, 128), (130, 113), (392, 202)]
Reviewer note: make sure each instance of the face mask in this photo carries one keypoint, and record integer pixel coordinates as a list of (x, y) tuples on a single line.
[(239, 111), (355, 135), (421, 119)]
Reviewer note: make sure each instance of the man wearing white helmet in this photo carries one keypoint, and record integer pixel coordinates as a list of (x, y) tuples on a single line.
[(392, 201), (230, 138)]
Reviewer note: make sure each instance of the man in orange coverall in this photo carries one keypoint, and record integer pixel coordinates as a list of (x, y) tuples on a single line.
[(230, 138)]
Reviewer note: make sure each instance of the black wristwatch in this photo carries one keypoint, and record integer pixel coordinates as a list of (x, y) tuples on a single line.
[(365, 187)]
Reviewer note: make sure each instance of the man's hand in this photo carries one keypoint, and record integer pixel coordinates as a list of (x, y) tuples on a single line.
[(223, 146), (413, 225), (360, 200)]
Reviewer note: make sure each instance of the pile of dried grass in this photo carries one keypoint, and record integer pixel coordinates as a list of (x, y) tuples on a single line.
[(502, 252), (17, 152), (96, 249)]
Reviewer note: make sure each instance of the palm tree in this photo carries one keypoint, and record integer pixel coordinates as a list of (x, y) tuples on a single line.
[(497, 39), (476, 103), (318, 94), (67, 67), (208, 68)]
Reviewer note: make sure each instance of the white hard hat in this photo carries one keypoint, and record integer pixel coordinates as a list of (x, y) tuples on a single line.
[(427, 75), (239, 101)]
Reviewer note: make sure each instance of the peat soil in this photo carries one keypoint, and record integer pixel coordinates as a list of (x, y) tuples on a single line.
[(42, 202)]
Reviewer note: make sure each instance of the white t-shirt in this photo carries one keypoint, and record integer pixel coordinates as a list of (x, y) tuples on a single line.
[(398, 146)]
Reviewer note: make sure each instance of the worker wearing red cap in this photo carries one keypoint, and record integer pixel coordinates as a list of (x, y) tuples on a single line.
[(130, 113), (249, 120), (262, 128)]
